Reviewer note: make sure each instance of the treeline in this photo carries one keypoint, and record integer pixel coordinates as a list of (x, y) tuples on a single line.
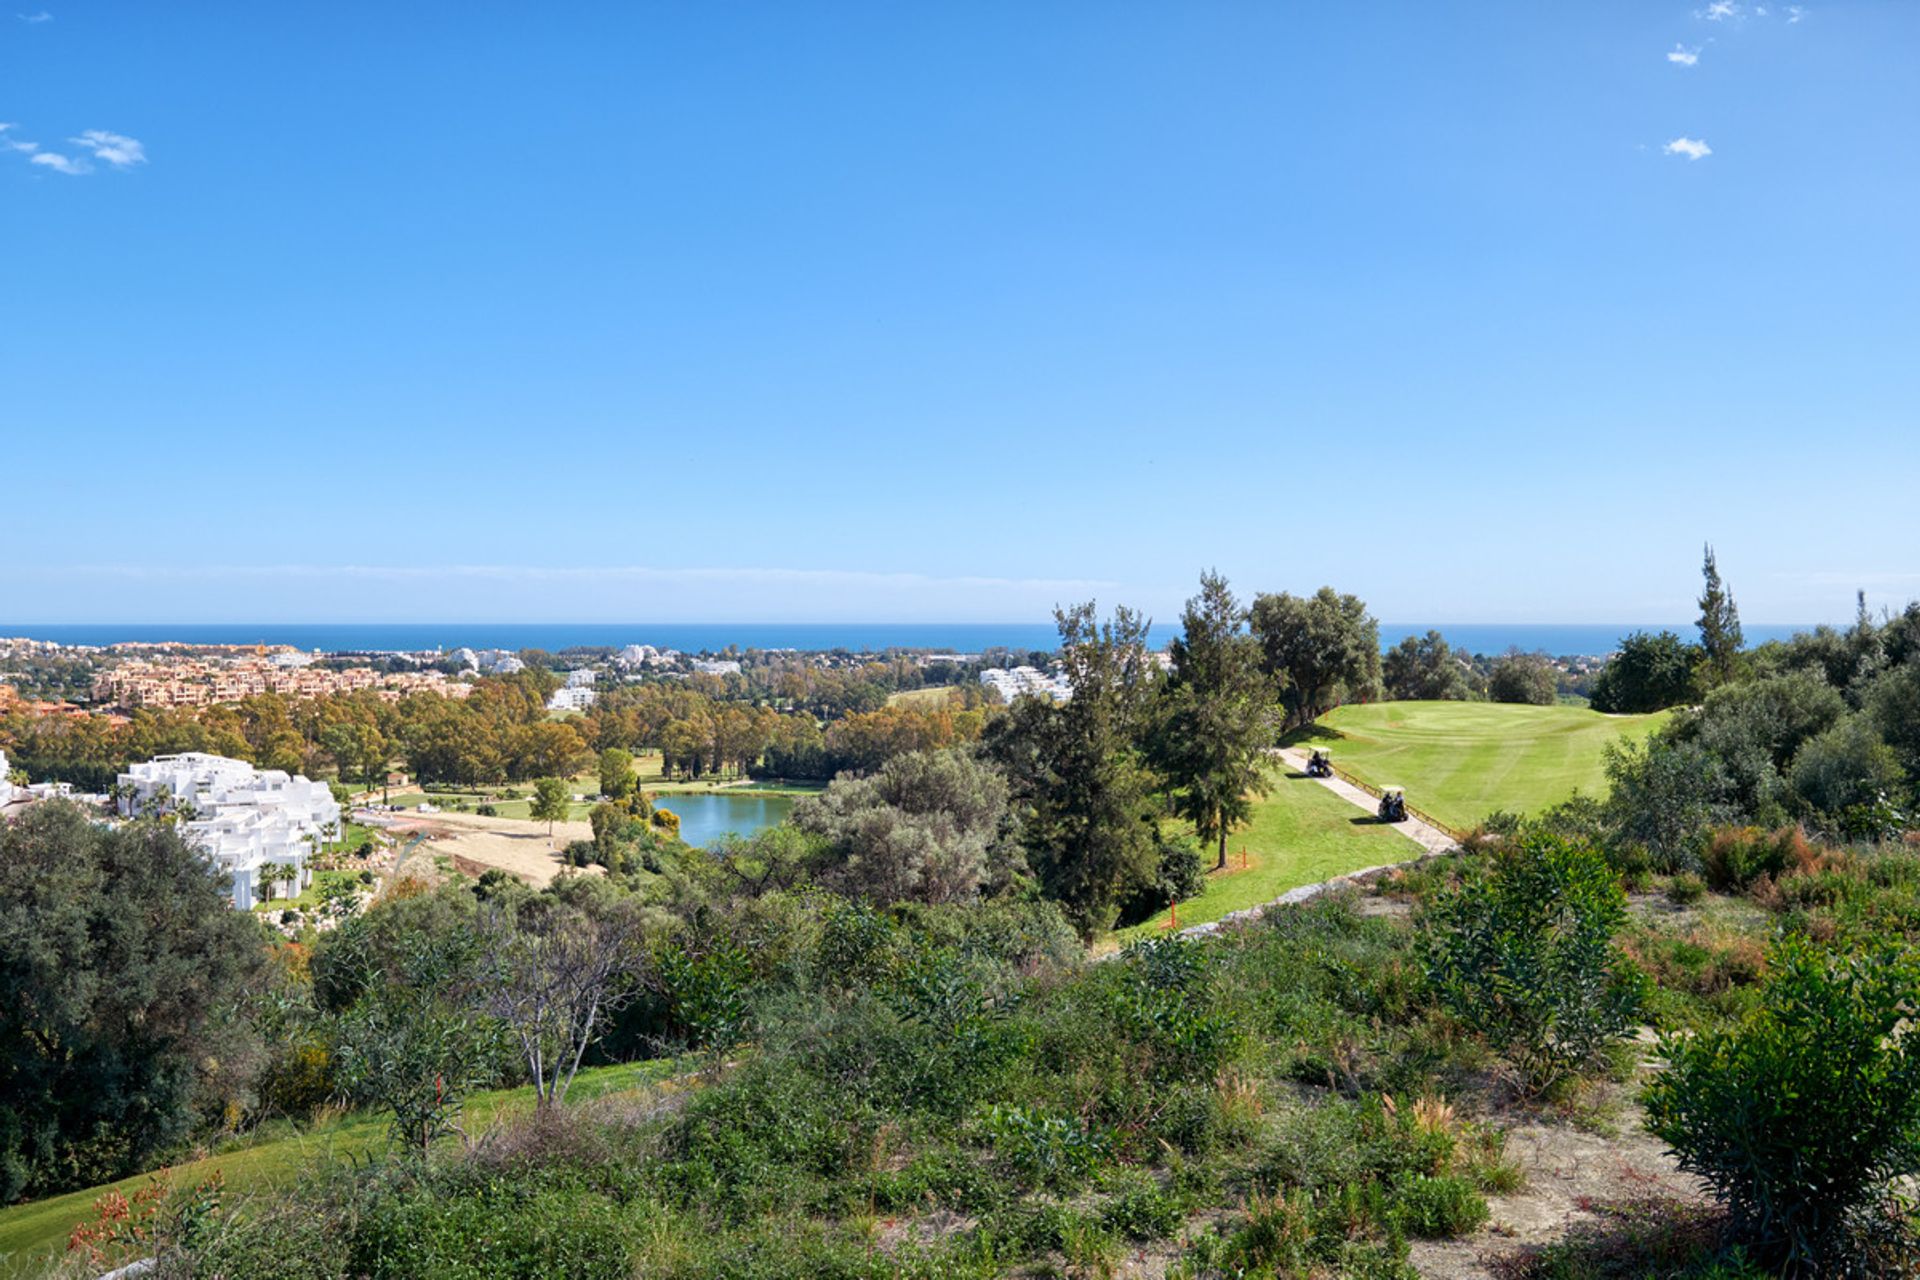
[(704, 726)]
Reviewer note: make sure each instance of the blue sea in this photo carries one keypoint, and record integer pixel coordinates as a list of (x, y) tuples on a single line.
[(1558, 639)]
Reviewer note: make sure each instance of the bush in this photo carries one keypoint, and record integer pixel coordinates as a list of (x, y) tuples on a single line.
[(1441, 1208), (1525, 953), (1735, 857), (1044, 1150), (1802, 1118), (1686, 888)]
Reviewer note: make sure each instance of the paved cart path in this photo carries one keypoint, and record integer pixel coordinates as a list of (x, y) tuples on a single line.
[(1424, 834)]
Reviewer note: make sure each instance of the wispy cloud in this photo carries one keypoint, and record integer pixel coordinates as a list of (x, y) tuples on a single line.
[(62, 164), (1682, 56), (115, 149), (1794, 14), (1720, 11), (35, 19), (1691, 148)]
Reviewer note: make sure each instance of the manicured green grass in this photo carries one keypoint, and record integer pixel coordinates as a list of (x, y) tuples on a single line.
[(931, 698), (1301, 833), (276, 1153), (1461, 761)]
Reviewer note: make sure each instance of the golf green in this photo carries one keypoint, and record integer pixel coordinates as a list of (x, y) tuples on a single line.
[(1461, 761)]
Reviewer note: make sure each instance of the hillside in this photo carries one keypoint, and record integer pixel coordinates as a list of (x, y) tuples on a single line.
[(279, 1154), (1460, 761)]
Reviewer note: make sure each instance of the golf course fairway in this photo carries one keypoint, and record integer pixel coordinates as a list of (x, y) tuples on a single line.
[(1460, 761)]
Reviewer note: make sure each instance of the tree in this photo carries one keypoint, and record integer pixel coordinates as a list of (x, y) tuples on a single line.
[(1650, 673), (550, 802), (1219, 717), (1083, 790), (1319, 649), (413, 1056), (1720, 638), (930, 826), (1424, 669), (121, 963), (557, 965), (1662, 797), (1525, 678), (617, 780), (1893, 704), (1848, 765)]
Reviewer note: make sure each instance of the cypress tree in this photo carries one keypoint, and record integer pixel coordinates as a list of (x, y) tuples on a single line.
[(1720, 634)]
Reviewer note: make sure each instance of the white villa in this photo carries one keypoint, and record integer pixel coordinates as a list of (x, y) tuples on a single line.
[(248, 820)]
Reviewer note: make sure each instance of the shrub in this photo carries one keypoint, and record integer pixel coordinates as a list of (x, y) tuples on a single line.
[(1045, 1150), (1525, 953), (1143, 1210), (1803, 1117), (1686, 888), (1441, 1208), (1735, 857)]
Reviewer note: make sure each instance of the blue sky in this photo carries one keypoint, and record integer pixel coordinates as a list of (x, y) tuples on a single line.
[(800, 311)]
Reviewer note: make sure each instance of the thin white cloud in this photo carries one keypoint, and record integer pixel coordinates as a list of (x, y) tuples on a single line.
[(1795, 13), (1691, 148), (1720, 10), (62, 164), (35, 19), (115, 149), (15, 144), (1682, 56)]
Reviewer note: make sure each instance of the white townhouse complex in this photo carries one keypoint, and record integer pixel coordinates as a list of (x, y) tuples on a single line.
[(1026, 682), (248, 820)]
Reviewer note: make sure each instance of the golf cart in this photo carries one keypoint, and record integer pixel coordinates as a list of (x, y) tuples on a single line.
[(1320, 763), (1393, 804)]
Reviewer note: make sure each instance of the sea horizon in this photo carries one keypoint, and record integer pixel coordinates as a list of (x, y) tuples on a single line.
[(1554, 639)]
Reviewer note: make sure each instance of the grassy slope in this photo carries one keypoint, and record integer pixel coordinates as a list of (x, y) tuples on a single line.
[(1301, 833), (276, 1153), (931, 698), (1462, 760)]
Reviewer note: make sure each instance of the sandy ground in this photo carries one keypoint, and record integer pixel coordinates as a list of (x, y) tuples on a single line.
[(512, 844), (1568, 1172)]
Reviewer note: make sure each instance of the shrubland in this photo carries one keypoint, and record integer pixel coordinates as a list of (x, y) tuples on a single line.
[(893, 1051)]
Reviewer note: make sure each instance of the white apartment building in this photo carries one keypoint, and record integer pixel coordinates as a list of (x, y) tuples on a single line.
[(1020, 682), (572, 698), (246, 819), (581, 678), (6, 788)]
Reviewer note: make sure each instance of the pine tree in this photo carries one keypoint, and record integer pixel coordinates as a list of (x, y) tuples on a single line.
[(1220, 715), (1719, 625)]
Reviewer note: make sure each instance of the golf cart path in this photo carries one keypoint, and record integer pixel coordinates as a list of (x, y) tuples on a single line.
[(1427, 836)]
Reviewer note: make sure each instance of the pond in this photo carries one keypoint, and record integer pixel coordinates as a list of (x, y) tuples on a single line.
[(706, 816)]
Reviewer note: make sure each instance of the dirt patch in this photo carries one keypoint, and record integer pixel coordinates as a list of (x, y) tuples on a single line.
[(1568, 1173), (475, 844)]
